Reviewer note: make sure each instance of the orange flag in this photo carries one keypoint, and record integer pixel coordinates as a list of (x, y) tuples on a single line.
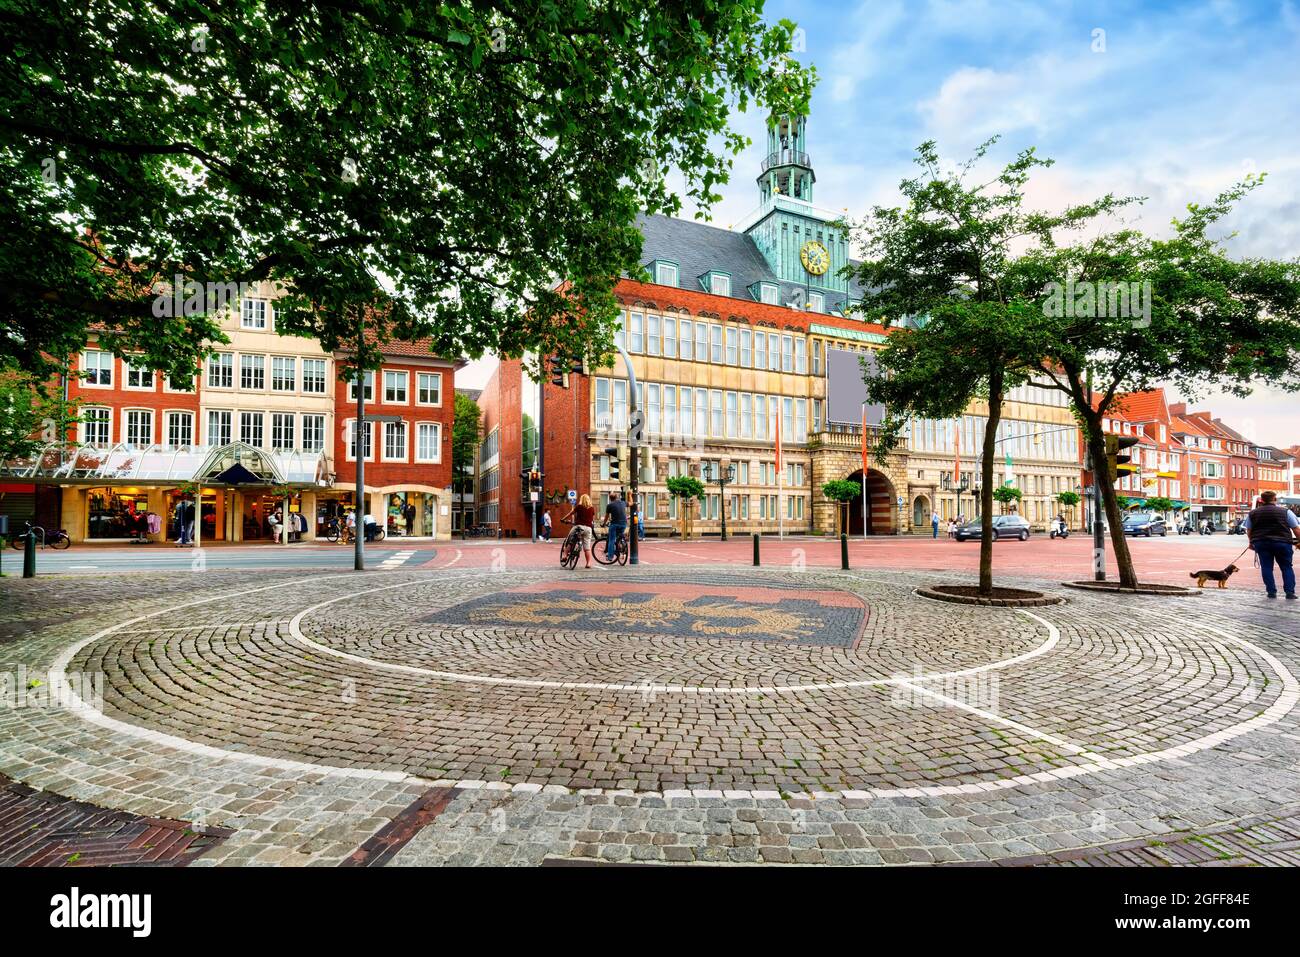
[(956, 466)]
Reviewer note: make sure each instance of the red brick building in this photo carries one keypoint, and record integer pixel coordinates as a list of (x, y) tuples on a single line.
[(410, 403)]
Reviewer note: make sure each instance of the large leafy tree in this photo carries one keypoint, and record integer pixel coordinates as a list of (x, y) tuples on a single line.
[(442, 165), (1209, 322), (952, 259)]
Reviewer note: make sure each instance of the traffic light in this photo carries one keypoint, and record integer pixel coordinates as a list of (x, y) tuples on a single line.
[(559, 371), (1116, 463), (615, 456), (534, 481)]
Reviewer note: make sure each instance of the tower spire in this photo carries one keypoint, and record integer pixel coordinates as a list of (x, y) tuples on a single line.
[(787, 170)]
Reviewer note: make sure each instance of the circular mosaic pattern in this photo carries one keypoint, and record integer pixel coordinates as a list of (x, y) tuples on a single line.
[(659, 679)]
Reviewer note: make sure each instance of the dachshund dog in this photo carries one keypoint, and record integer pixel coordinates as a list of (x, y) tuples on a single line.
[(1221, 577)]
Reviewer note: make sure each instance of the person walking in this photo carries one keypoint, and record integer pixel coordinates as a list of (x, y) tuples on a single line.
[(408, 513), (616, 519), (934, 524), (546, 525), (1274, 533)]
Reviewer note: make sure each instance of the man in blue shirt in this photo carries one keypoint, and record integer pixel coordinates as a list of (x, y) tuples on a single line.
[(1273, 531), (616, 519)]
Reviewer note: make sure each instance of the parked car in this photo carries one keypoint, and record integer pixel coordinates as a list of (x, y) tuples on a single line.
[(1004, 526), (1145, 523)]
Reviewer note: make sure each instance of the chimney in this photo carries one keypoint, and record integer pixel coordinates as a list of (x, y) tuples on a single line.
[(1178, 409)]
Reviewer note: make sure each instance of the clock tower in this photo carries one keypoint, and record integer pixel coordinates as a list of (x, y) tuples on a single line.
[(796, 238)]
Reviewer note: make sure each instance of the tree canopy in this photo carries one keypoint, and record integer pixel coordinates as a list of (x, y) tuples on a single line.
[(442, 165)]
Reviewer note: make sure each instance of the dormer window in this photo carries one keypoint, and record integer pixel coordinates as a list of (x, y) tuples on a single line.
[(816, 302), (665, 272), (718, 283), (768, 292)]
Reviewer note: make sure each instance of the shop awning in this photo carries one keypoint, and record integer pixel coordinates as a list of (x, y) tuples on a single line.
[(63, 463)]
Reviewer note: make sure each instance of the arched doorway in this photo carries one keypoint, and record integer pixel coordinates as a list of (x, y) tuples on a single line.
[(921, 511), (881, 507)]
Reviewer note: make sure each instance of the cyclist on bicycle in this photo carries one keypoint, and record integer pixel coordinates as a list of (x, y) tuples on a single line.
[(616, 519), (583, 515)]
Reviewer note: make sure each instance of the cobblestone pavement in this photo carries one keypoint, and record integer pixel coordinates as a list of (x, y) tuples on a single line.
[(699, 714)]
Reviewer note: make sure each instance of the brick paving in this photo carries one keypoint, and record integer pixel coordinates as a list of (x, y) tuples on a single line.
[(46, 830), (386, 728)]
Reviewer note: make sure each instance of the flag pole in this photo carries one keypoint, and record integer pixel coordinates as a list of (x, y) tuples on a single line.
[(780, 504), (864, 472)]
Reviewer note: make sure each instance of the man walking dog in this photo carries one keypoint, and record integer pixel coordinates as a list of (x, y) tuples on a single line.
[(1273, 531)]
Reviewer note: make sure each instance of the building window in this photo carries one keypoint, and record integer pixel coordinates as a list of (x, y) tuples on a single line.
[(138, 378), (732, 427), (395, 441), (282, 430), (652, 409), (746, 348), (313, 433), (180, 429), (652, 340), (733, 337), (252, 372), (284, 374), (370, 386), (219, 427), (670, 337), (701, 342), (816, 302), (670, 410), (787, 353), (313, 376), (250, 428), (428, 446), (98, 367), (715, 407), (768, 293), (715, 344), (701, 413), (801, 356), (429, 388), (720, 285), (139, 427), (603, 418), (636, 332), (254, 314), (665, 274), (221, 371), (688, 340), (97, 427), (687, 407), (395, 388), (746, 416), (351, 442)]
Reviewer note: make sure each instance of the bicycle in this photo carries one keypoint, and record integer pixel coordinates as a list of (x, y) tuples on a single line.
[(335, 530), (570, 549), (620, 550), (57, 539)]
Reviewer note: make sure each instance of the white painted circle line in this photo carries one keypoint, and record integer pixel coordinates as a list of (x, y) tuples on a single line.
[(1286, 701)]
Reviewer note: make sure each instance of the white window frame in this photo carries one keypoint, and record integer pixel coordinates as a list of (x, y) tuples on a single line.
[(314, 423), (402, 376), (170, 416), (293, 362), (324, 376), (248, 318), (666, 274), (106, 420), (249, 356), (100, 354), (126, 426), (229, 426), (369, 386), (349, 441), (139, 371), (420, 389), (253, 415), (389, 428), (276, 418), (215, 363), (719, 284), (437, 443)]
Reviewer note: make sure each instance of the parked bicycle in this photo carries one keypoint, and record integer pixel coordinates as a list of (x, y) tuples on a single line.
[(57, 538)]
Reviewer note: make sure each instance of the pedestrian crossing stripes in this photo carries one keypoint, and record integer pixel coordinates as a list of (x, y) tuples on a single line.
[(397, 559)]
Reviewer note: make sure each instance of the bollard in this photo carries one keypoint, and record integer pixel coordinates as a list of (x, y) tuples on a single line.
[(844, 551), (756, 561), (29, 555)]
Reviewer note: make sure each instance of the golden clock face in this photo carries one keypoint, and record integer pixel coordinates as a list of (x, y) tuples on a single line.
[(815, 258)]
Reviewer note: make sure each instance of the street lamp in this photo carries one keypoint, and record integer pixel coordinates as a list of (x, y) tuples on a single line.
[(722, 477), (959, 488)]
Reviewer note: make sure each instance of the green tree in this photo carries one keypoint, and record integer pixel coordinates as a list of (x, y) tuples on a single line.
[(1069, 500), (951, 259), (1208, 322), (842, 491), (685, 488), (32, 414), (1158, 503), (435, 167), (464, 446), (1007, 495)]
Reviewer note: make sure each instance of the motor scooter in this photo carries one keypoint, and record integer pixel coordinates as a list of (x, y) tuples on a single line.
[(1059, 530), (1208, 528)]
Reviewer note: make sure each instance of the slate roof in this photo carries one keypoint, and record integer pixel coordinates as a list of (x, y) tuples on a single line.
[(698, 247)]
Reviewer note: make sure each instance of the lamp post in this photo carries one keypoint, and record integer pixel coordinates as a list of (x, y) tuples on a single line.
[(959, 488), (722, 478)]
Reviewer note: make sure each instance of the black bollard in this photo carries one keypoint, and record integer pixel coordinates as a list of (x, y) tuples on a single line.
[(756, 561), (844, 551), (29, 555)]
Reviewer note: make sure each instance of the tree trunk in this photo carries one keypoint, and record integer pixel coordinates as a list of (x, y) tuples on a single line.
[(986, 471), (1102, 483)]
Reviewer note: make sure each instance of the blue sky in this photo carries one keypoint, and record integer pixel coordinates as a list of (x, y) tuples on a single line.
[(1174, 101)]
